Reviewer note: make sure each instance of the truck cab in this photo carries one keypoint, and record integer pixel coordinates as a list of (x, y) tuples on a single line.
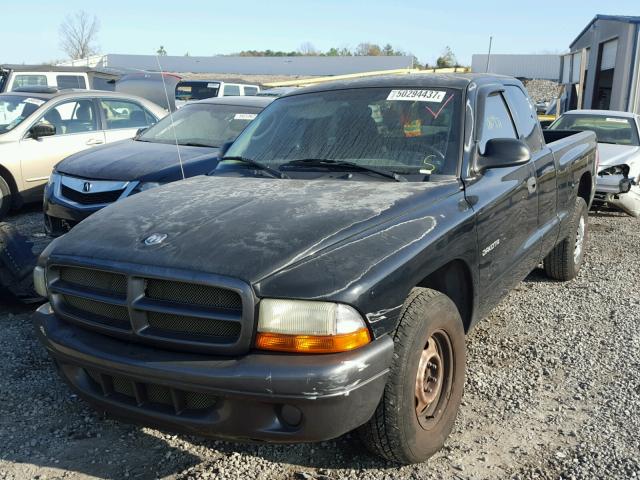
[(14, 77)]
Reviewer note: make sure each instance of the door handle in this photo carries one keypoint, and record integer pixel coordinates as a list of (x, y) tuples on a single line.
[(532, 184), (94, 141)]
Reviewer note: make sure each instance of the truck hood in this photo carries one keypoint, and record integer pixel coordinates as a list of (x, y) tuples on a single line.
[(611, 154), (247, 228), (130, 160)]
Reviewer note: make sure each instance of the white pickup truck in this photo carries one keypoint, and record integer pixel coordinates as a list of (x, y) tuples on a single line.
[(13, 77)]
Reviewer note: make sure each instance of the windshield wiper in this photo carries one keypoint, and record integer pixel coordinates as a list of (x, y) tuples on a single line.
[(321, 162), (196, 144), (260, 166)]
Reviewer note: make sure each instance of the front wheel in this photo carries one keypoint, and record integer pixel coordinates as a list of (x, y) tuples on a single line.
[(425, 383), (564, 261)]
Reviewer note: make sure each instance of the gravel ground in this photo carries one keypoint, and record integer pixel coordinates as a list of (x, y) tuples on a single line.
[(552, 392)]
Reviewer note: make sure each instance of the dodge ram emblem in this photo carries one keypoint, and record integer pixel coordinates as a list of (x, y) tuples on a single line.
[(155, 239)]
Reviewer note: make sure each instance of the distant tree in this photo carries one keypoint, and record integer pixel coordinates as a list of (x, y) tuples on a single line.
[(161, 51), (78, 33), (187, 54), (447, 58), (345, 52), (388, 50), (367, 48), (333, 52), (307, 48)]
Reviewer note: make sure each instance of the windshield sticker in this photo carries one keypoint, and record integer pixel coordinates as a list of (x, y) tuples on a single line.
[(435, 96), (245, 116), (34, 101), (213, 85), (616, 120)]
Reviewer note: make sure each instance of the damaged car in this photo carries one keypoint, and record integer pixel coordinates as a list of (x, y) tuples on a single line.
[(618, 180)]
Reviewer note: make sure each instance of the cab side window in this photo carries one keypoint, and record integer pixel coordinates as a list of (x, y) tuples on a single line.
[(29, 80), (524, 114), (497, 122), (74, 116), (250, 90), (124, 114), (231, 90)]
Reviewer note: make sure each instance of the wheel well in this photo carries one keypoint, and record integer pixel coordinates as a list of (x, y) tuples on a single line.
[(584, 187), (454, 280), (6, 175)]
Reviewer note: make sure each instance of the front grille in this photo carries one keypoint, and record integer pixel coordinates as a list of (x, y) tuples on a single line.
[(193, 294), (106, 311), (94, 279), (193, 325), (170, 313), (142, 394), (96, 198)]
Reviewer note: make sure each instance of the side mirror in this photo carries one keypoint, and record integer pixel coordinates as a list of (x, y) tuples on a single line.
[(503, 152), (222, 151), (141, 131), (42, 130)]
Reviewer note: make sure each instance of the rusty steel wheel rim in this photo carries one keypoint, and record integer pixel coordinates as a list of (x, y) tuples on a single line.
[(433, 379)]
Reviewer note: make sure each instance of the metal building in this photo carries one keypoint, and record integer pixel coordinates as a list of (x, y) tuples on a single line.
[(602, 70), (299, 65), (541, 67)]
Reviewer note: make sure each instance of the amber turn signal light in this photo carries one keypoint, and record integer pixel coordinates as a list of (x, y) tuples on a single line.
[(279, 342)]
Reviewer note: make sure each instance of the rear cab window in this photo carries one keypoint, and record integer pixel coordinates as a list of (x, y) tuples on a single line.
[(248, 90), (191, 90), (231, 90)]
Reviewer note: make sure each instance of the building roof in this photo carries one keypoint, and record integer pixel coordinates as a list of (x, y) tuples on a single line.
[(610, 18)]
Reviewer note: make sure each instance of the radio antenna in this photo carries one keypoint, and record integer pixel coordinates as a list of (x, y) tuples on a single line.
[(175, 135)]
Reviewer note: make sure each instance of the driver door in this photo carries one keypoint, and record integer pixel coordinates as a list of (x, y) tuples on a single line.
[(77, 128)]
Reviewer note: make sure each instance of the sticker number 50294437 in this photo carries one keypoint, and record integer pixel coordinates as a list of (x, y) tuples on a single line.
[(435, 96)]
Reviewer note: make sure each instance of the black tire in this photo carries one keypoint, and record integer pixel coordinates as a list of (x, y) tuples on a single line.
[(563, 262), (5, 198), (396, 431)]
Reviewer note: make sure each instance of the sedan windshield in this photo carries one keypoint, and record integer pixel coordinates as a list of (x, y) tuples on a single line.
[(608, 129), (15, 108), (201, 124), (401, 131)]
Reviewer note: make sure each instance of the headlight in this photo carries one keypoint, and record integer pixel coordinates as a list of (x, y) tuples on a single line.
[(40, 281), (145, 186), (615, 170), (309, 327), (52, 179)]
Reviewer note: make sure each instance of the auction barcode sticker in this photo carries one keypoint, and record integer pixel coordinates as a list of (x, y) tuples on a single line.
[(435, 96), (245, 116), (616, 120)]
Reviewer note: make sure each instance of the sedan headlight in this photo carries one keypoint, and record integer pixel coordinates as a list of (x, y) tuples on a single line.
[(310, 327), (40, 281), (145, 186)]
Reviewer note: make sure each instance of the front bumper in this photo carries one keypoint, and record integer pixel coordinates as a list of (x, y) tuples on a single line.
[(259, 396)]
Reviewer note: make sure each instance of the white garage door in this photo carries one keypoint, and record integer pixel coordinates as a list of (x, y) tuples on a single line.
[(609, 51)]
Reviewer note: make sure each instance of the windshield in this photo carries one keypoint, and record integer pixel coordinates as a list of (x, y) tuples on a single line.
[(15, 108), (186, 91), (406, 131), (608, 129), (203, 124)]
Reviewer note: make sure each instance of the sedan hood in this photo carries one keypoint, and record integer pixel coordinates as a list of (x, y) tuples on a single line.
[(247, 228), (611, 154), (130, 160)]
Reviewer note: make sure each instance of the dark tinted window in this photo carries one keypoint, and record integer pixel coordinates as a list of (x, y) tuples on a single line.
[(497, 122), (100, 83), (70, 81), (186, 91), (524, 114)]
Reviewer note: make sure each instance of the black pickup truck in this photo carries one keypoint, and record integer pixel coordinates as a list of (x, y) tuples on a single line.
[(323, 277)]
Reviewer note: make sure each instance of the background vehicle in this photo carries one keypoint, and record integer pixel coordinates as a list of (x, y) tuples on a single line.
[(324, 277), (88, 181), (40, 126), (172, 91), (13, 77), (618, 133)]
